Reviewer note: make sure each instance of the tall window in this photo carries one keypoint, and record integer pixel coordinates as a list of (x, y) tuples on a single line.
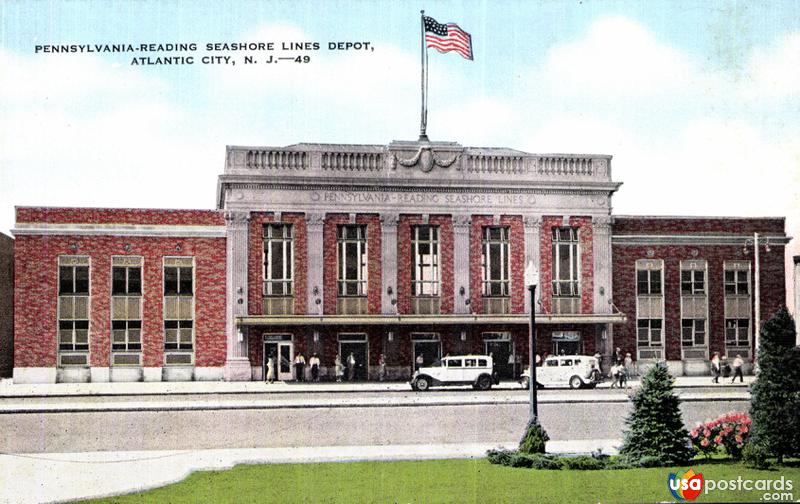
[(694, 309), (73, 307), (495, 262), (649, 308), (425, 271), (737, 306), (565, 262), (178, 306), (352, 245), (278, 265), (126, 304)]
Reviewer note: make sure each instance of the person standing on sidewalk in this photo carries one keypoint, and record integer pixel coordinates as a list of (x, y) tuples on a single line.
[(314, 363), (715, 367), (300, 367), (351, 366), (381, 368), (420, 360), (338, 367), (628, 364), (737, 369), (270, 369)]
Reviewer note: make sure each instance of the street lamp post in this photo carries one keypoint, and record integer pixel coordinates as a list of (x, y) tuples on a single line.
[(757, 291), (531, 280)]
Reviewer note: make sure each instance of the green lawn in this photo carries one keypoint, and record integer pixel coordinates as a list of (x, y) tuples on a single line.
[(466, 481)]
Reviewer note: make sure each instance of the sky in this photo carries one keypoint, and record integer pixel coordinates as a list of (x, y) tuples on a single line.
[(697, 101)]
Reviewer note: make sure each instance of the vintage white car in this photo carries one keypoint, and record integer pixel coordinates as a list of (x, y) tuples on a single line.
[(575, 371), (475, 370)]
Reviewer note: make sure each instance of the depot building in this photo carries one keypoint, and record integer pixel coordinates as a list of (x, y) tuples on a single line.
[(402, 250)]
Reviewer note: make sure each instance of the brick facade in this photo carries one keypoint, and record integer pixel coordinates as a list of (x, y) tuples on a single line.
[(36, 290), (773, 290), (36, 286)]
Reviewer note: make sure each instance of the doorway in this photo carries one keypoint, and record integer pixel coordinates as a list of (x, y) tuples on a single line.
[(355, 344), (501, 348), (567, 343), (280, 347), (426, 345)]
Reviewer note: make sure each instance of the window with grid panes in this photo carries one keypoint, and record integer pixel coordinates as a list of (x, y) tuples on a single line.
[(565, 262), (73, 304), (178, 304), (693, 332), (126, 299), (495, 262), (352, 248), (278, 265), (425, 253), (737, 304), (693, 282)]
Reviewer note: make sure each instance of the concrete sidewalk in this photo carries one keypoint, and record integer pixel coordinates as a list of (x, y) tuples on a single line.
[(8, 389), (55, 477), (411, 399)]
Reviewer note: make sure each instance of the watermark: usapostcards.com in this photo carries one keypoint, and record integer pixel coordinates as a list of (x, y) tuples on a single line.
[(688, 486)]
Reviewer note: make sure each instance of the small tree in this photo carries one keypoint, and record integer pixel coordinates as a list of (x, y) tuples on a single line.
[(534, 439), (774, 405), (655, 426)]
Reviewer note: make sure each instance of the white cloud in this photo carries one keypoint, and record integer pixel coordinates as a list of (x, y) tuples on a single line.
[(774, 72), (619, 57)]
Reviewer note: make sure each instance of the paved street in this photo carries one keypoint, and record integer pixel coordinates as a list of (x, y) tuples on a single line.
[(385, 420)]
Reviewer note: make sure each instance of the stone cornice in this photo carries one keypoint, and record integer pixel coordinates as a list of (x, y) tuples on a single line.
[(736, 240), (49, 229)]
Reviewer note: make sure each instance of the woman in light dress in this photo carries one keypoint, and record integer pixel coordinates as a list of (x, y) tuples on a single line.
[(339, 368), (270, 369)]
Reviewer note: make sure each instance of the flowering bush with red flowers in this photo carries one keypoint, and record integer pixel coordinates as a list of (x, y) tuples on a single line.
[(730, 431)]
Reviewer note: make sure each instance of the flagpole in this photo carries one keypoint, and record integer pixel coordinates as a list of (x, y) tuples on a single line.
[(423, 120)]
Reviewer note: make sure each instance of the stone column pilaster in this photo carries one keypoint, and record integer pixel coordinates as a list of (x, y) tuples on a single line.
[(389, 223), (601, 233), (237, 363), (315, 263), (533, 231), (461, 225)]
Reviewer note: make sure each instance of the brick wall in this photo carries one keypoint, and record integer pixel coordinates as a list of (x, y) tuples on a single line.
[(36, 295), (586, 249), (255, 261), (331, 260), (773, 291), (6, 305)]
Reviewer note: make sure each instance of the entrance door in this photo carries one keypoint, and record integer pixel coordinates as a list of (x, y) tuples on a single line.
[(283, 352), (359, 351), (501, 351), (567, 343), (431, 351)]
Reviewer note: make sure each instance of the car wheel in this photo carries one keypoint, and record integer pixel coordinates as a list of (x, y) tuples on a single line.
[(526, 382), (575, 382), (484, 382), (422, 384)]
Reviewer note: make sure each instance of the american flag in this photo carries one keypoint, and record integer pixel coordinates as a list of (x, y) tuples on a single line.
[(447, 37)]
